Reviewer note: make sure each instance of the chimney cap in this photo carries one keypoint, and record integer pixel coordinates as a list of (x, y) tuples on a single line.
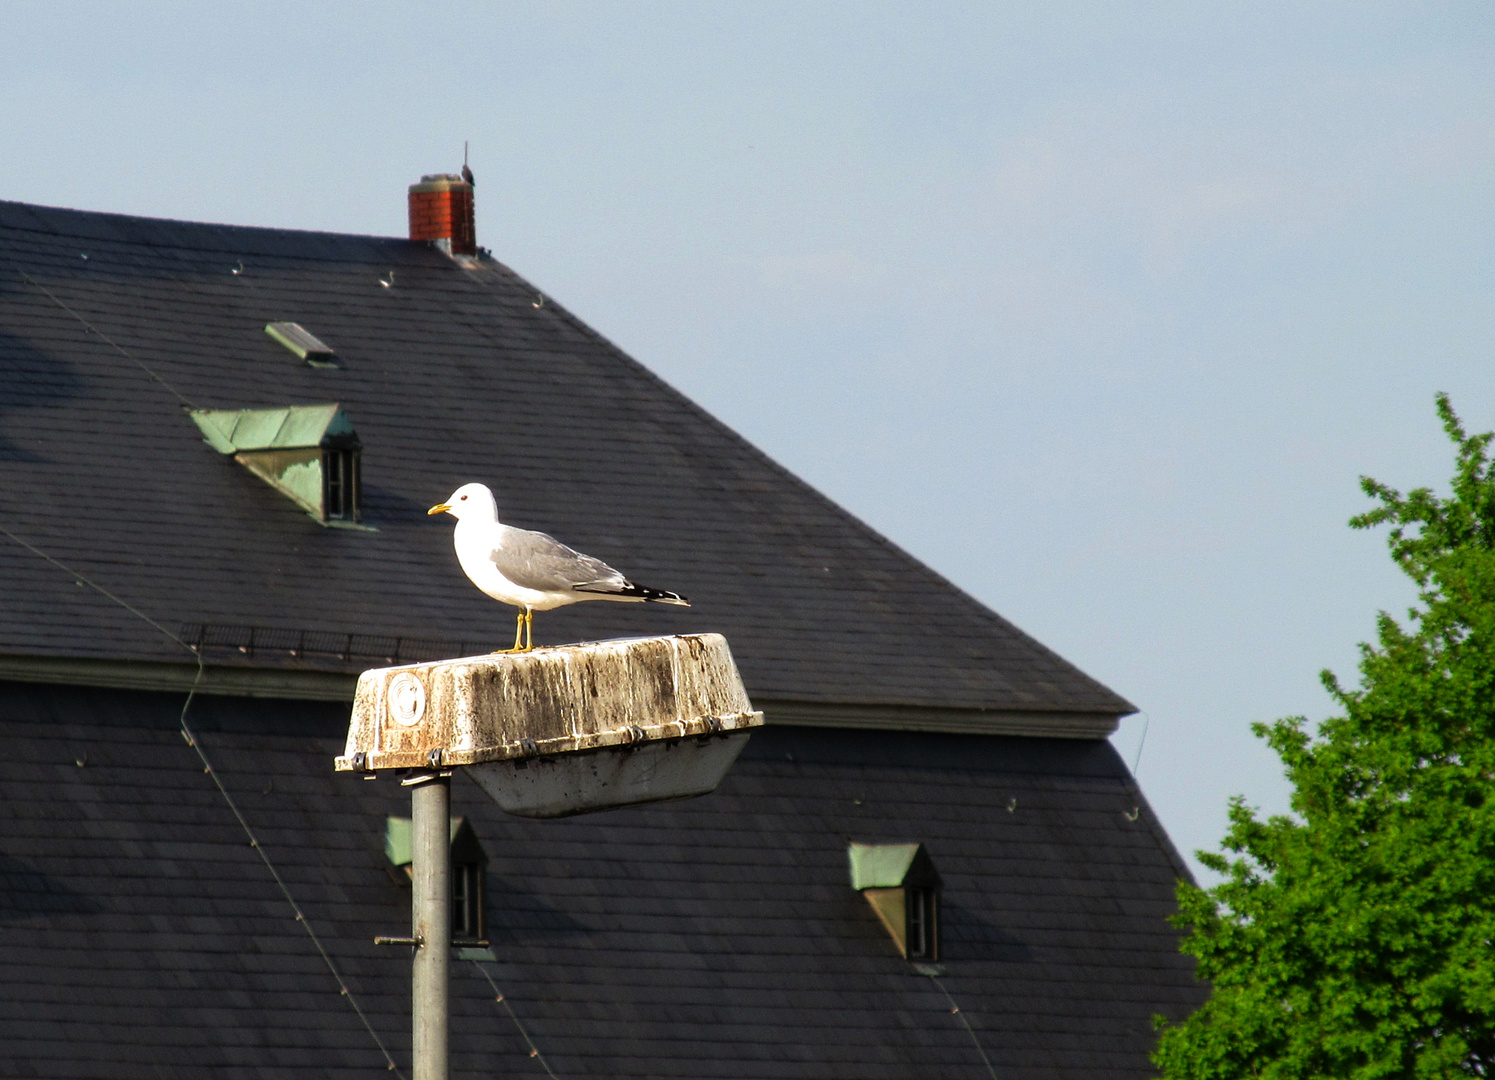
[(440, 182)]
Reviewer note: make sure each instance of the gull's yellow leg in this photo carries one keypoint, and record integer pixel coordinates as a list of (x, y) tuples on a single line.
[(529, 629), (518, 636)]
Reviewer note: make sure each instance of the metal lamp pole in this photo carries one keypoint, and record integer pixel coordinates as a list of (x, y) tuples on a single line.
[(431, 923)]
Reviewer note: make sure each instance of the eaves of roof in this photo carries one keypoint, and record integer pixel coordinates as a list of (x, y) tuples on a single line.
[(310, 685)]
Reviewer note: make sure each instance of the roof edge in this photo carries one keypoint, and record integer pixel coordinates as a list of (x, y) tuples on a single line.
[(1046, 725), (225, 681), (83, 216), (155, 675)]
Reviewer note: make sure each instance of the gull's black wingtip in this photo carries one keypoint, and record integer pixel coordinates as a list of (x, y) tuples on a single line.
[(658, 596), (629, 591)]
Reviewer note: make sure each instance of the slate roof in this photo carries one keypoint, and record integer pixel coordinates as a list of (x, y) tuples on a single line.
[(140, 936), (111, 325)]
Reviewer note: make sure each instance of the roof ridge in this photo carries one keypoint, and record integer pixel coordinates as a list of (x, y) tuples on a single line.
[(185, 224)]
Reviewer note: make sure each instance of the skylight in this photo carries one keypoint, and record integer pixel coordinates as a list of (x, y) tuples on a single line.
[(303, 343)]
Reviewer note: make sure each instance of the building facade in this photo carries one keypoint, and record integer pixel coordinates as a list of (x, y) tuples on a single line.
[(217, 445)]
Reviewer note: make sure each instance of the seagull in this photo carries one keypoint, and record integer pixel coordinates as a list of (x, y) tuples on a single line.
[(531, 570), (467, 175)]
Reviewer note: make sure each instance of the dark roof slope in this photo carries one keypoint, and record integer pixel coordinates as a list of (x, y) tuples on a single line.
[(140, 936), (109, 325)]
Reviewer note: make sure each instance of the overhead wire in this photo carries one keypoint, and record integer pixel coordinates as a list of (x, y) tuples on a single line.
[(1137, 760), (500, 998), (285, 890), (116, 346), (955, 1011), (192, 740)]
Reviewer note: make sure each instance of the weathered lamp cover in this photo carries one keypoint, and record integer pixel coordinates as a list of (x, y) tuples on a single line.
[(562, 730)]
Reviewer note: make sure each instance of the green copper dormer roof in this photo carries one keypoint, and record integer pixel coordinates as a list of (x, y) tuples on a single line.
[(309, 453), (466, 847), (891, 866), (294, 427)]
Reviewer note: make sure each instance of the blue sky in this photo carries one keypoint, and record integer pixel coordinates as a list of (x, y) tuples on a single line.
[(1099, 309)]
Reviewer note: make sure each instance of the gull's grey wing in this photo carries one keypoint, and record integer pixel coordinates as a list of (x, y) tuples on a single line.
[(533, 560)]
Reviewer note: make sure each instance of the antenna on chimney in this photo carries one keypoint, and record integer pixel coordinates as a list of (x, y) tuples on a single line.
[(466, 172)]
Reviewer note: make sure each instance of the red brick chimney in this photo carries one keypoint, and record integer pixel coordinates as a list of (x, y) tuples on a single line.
[(441, 210)]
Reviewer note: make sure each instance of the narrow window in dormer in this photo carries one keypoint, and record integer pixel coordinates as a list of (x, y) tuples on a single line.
[(340, 479), (467, 899), (923, 907)]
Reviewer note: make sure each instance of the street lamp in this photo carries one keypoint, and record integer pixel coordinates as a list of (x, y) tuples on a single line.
[(548, 733)]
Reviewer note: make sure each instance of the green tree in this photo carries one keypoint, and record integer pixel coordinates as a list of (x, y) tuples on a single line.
[(1357, 937)]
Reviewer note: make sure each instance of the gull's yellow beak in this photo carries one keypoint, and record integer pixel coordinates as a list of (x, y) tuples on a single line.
[(439, 508)]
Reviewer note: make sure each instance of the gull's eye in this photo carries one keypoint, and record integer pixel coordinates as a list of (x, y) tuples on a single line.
[(464, 498)]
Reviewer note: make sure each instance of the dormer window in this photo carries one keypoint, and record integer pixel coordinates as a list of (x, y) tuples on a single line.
[(903, 888), (467, 899), (340, 484), (469, 878), (308, 453), (922, 917)]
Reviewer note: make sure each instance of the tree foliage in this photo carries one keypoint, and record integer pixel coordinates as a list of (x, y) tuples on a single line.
[(1357, 937)]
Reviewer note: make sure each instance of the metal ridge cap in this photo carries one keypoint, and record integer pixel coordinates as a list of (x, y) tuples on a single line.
[(1041, 723), (179, 677)]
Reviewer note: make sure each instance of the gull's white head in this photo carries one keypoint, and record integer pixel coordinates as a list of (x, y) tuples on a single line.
[(469, 501)]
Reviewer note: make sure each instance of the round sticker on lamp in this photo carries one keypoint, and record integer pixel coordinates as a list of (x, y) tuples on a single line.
[(407, 699)]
